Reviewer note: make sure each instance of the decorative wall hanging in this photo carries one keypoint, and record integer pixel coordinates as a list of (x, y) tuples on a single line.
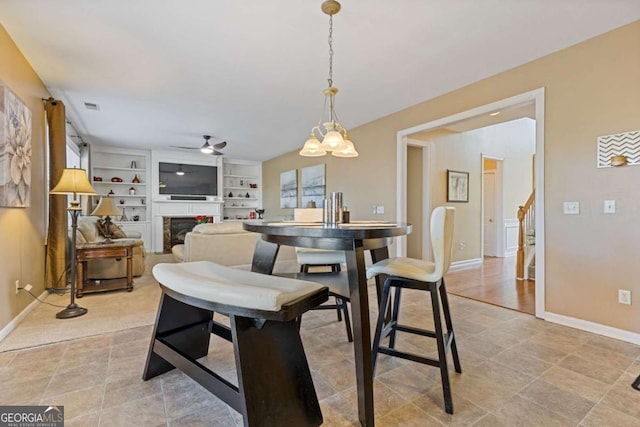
[(619, 149), (313, 186), (15, 150), (457, 186), (289, 189)]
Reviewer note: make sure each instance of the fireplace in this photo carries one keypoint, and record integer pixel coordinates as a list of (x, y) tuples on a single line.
[(174, 230)]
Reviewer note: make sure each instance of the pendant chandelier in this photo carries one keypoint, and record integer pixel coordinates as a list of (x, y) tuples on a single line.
[(333, 135)]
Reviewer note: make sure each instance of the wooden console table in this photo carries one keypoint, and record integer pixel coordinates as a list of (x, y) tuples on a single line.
[(91, 251)]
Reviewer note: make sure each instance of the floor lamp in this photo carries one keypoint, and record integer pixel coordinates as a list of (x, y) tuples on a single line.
[(73, 182)]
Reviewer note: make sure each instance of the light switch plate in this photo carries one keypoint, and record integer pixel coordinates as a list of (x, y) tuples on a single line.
[(609, 206), (571, 208)]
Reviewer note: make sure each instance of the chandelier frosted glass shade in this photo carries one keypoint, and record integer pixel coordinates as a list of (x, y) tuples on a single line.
[(333, 141), (348, 151), (312, 148)]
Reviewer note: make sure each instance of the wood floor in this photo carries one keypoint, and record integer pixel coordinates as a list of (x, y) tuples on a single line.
[(494, 282)]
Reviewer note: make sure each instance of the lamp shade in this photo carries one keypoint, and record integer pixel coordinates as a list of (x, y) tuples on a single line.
[(312, 148), (106, 207), (73, 181), (348, 151), (333, 141)]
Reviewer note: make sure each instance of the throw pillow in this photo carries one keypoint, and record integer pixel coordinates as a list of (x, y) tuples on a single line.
[(117, 232), (114, 231)]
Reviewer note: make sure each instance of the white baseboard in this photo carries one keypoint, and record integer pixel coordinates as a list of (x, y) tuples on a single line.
[(16, 320), (596, 328), (467, 263)]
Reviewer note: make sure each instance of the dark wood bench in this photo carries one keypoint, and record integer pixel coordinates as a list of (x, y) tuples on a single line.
[(275, 387)]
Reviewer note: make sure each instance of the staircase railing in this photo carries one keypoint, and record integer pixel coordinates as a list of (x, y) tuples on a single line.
[(526, 233)]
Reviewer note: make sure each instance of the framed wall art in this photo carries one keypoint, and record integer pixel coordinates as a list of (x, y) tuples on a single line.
[(289, 189), (15, 150), (457, 186), (313, 186)]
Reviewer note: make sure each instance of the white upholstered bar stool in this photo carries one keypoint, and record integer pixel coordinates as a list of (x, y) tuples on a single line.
[(337, 283), (422, 275), (308, 257), (311, 257)]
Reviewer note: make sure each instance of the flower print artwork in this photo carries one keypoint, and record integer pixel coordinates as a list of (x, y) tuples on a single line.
[(15, 150)]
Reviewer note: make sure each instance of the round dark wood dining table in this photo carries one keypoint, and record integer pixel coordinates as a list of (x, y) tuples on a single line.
[(354, 238)]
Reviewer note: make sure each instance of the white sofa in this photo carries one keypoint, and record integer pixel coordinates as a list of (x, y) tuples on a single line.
[(227, 243)]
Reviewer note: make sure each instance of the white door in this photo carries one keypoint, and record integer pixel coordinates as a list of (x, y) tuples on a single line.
[(489, 220)]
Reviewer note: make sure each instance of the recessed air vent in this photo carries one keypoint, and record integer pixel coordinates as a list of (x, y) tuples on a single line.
[(92, 106)]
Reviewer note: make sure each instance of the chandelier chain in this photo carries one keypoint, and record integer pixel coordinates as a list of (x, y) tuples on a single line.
[(333, 134), (330, 50)]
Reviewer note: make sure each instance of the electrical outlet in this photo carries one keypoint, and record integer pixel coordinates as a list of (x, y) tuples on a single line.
[(571, 208), (374, 209), (17, 286), (380, 210), (28, 288), (624, 296)]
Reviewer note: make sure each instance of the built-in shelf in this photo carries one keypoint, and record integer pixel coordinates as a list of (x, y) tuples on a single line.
[(143, 171), (128, 184), (239, 176), (109, 162)]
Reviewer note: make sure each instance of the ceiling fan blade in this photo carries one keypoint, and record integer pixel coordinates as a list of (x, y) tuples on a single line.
[(220, 145), (217, 153), (185, 148)]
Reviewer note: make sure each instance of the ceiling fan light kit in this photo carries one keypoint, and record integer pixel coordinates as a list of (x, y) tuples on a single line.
[(207, 148), (332, 133)]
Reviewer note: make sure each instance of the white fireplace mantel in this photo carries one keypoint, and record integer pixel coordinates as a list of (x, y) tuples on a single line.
[(179, 208)]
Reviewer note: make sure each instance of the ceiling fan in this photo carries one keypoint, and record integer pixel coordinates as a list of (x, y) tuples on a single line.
[(207, 148)]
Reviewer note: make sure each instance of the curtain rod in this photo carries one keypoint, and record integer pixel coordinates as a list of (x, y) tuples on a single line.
[(67, 121)]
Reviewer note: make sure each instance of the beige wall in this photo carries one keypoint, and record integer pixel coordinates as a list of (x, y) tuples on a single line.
[(458, 152), (591, 89), (22, 229), (414, 201), (518, 185)]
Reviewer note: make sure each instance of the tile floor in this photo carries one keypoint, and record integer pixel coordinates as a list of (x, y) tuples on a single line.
[(517, 370)]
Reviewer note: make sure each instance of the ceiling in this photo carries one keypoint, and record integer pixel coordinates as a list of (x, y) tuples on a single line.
[(252, 72), (499, 116)]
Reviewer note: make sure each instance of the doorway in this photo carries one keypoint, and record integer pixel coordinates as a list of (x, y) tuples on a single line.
[(534, 98), (492, 216)]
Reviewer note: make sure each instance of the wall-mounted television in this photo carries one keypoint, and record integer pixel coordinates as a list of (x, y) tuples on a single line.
[(187, 180)]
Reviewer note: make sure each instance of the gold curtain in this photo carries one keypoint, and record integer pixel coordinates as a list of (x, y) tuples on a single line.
[(57, 235)]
